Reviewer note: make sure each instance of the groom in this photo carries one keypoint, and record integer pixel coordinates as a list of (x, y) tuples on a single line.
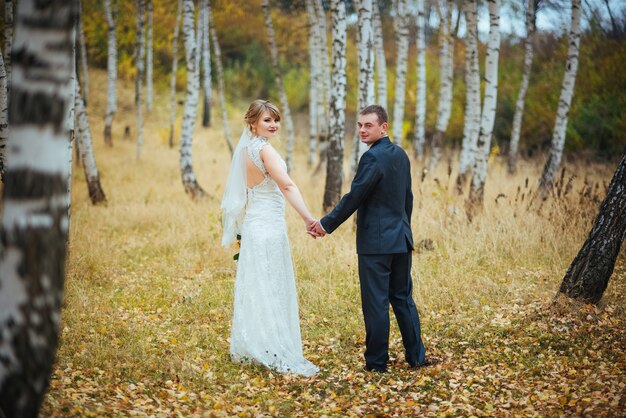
[(381, 195)]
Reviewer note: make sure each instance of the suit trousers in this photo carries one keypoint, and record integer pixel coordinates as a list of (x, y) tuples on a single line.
[(385, 279)]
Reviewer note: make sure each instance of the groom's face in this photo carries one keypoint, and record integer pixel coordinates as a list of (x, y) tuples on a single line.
[(370, 128)]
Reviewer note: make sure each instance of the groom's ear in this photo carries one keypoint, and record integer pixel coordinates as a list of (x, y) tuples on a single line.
[(384, 126)]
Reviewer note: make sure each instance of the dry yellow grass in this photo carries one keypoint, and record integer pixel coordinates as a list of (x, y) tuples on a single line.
[(149, 288)]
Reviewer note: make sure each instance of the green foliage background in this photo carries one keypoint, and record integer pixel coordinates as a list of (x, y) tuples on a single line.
[(597, 119)]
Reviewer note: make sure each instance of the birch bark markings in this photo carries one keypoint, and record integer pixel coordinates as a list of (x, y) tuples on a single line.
[(190, 183), (334, 169), (286, 113), (381, 63), (83, 136), (83, 53), (314, 79), (4, 116), (445, 86), (365, 47), (519, 105), (34, 216), (139, 62), (179, 11), (323, 92), (8, 39), (479, 172), (567, 91), (401, 24), (149, 55), (110, 14), (471, 123), (419, 140)]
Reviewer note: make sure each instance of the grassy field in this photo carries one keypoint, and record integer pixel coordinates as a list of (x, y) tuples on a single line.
[(149, 290)]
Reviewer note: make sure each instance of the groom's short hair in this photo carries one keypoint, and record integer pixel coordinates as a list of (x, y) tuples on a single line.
[(380, 112)]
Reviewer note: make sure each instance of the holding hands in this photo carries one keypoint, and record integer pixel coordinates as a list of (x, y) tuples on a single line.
[(315, 229)]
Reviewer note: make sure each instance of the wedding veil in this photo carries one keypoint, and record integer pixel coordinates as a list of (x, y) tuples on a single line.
[(235, 192)]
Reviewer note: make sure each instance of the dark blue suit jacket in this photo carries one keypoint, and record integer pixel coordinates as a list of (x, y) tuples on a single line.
[(381, 195)]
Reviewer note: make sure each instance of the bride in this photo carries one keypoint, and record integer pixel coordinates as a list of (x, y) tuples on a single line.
[(265, 325)]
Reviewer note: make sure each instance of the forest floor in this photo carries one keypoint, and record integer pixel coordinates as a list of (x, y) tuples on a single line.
[(148, 298)]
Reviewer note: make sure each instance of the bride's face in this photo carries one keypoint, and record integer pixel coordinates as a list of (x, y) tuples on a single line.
[(267, 126)]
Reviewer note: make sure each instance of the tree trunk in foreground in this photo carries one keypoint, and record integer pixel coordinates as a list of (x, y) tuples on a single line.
[(34, 230), (589, 274)]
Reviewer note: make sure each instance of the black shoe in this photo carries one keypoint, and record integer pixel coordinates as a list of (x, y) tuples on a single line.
[(430, 361), (375, 369)]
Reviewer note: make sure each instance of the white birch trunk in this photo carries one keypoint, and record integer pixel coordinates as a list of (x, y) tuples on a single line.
[(314, 79), (139, 60), (34, 232), (70, 126), (401, 24), (191, 104), (149, 55), (83, 53), (206, 65), (4, 115), (446, 52), (381, 63), (334, 168), (365, 47), (286, 113), (324, 92), (567, 91), (83, 136), (521, 98), (471, 123), (419, 140), (220, 81), (479, 172), (179, 11), (110, 14)]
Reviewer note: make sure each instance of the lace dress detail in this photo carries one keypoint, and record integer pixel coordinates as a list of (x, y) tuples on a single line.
[(266, 325)]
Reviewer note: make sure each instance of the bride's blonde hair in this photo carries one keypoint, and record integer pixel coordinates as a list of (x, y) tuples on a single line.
[(256, 109)]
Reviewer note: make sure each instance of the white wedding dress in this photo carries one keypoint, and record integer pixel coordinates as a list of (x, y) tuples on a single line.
[(266, 326)]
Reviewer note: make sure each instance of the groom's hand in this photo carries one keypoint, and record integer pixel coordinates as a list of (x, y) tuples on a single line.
[(310, 229), (319, 229)]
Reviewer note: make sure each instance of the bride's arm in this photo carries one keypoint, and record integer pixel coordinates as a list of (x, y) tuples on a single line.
[(271, 160)]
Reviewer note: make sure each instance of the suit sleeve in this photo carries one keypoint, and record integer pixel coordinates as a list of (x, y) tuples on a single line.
[(367, 176), (409, 199)]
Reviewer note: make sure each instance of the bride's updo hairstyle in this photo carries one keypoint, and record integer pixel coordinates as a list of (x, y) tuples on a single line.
[(257, 108)]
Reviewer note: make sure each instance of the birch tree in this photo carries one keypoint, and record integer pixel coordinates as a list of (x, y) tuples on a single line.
[(401, 25), (365, 47), (206, 65), (334, 168), (34, 199), (521, 97), (174, 72), (446, 52), (84, 68), (220, 81), (110, 13), (588, 276), (149, 55), (139, 62), (379, 51), (83, 136), (479, 171), (471, 123), (323, 93), (419, 139), (4, 115), (286, 113), (190, 183), (314, 79), (567, 91)]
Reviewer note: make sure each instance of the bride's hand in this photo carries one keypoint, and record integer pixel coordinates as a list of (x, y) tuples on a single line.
[(310, 227)]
